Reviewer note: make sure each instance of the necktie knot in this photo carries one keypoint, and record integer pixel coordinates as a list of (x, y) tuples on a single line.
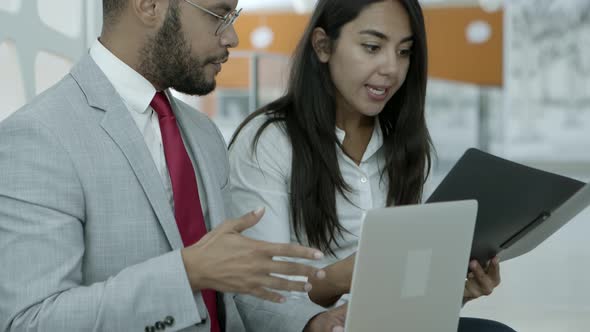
[(161, 105)]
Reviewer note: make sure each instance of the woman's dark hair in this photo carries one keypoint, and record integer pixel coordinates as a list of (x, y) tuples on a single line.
[(307, 112)]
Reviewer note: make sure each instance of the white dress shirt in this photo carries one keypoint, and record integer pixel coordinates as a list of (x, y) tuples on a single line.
[(137, 94), (263, 180)]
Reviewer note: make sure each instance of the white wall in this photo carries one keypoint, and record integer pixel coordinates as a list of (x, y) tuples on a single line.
[(40, 40)]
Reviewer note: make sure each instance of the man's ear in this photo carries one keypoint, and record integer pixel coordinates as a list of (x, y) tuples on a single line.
[(322, 44), (150, 12)]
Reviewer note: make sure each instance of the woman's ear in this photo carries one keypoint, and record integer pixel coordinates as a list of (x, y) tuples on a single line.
[(322, 44)]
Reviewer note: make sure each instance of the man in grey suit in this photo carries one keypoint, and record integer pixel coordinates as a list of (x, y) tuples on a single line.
[(94, 233)]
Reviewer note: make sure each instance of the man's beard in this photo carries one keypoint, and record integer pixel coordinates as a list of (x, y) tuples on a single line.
[(166, 60)]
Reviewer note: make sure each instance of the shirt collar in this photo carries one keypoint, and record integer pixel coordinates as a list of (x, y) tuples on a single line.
[(374, 144), (136, 91)]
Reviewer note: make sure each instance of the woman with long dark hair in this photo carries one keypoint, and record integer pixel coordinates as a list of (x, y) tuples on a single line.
[(349, 135)]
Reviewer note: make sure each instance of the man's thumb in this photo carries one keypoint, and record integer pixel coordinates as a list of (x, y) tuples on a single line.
[(248, 220)]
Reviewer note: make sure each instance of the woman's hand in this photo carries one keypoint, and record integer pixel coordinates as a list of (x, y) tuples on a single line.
[(328, 291), (481, 282)]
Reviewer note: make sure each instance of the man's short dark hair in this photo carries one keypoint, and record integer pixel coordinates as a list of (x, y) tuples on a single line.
[(111, 9)]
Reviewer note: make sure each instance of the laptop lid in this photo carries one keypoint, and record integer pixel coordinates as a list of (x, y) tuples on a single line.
[(410, 268)]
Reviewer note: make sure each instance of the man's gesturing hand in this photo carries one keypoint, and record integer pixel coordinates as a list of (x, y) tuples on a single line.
[(226, 261)]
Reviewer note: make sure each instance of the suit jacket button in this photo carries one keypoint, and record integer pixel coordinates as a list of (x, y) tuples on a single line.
[(169, 320), (160, 326), (150, 329)]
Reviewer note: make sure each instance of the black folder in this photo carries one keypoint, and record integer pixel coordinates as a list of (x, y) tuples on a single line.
[(518, 206)]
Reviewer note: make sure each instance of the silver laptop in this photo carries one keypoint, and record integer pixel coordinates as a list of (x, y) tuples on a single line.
[(410, 268)]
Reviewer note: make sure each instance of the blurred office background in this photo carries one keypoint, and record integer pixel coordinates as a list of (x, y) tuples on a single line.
[(510, 77)]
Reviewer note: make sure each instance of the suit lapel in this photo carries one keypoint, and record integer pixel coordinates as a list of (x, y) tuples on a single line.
[(194, 140), (120, 126)]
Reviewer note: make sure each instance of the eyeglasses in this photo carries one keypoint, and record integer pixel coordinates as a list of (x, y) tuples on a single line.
[(226, 20)]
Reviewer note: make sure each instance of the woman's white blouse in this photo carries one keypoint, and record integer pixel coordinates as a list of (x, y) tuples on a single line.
[(262, 179)]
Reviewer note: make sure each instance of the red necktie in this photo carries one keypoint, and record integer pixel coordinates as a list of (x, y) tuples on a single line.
[(187, 205)]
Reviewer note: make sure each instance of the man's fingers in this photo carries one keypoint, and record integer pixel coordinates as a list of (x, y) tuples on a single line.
[(293, 250), (248, 220), (295, 269), (267, 295), (283, 284)]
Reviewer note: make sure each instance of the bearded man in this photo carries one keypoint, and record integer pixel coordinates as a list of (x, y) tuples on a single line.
[(110, 186)]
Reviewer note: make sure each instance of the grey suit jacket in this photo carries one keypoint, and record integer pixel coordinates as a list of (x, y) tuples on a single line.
[(88, 240)]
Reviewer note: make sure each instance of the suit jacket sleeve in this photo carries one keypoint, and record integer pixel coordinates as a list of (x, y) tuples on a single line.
[(42, 246)]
